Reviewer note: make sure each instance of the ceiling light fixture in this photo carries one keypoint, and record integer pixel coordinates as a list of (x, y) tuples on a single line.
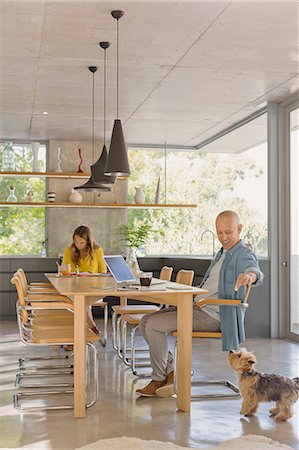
[(117, 163), (45, 113), (98, 168), (91, 185)]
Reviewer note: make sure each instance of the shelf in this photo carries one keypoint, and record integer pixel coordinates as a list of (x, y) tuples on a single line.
[(95, 205), (46, 174)]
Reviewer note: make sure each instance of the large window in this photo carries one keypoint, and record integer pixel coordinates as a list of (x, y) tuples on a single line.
[(22, 230), (229, 173)]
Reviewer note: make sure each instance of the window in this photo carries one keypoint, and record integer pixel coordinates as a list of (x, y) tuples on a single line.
[(228, 173), (22, 230)]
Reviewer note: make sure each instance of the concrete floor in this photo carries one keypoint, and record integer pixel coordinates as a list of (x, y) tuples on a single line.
[(119, 413)]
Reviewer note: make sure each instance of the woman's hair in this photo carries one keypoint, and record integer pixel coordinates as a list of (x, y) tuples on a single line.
[(84, 233)]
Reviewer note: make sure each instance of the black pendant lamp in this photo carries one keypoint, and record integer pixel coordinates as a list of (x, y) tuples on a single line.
[(91, 185), (117, 163), (98, 168)]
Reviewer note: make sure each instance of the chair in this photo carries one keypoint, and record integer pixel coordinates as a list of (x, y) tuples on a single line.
[(47, 292), (217, 335), (55, 330), (183, 277), (119, 311)]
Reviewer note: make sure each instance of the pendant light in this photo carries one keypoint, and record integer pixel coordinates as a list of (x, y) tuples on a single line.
[(91, 185), (98, 168), (117, 163)]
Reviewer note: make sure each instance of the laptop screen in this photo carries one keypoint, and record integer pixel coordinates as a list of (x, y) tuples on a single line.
[(119, 268)]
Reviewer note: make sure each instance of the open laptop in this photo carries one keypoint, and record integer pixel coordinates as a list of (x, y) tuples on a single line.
[(122, 273), (119, 269)]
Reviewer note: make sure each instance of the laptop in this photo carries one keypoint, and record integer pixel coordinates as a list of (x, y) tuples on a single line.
[(119, 269)]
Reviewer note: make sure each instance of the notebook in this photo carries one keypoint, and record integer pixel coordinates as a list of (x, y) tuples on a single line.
[(119, 269)]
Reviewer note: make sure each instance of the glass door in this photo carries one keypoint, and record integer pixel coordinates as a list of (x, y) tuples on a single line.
[(292, 222)]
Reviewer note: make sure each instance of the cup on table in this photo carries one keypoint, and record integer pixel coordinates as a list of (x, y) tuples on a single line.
[(65, 269), (145, 278)]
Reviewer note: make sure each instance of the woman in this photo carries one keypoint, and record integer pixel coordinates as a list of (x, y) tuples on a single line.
[(86, 255)]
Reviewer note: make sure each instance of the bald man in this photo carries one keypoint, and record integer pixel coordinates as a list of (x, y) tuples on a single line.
[(234, 267)]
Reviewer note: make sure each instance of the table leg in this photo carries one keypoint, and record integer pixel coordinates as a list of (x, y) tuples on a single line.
[(79, 356), (123, 301), (184, 357)]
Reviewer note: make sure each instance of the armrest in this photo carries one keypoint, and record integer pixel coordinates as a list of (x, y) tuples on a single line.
[(49, 297), (46, 306), (36, 284), (216, 301)]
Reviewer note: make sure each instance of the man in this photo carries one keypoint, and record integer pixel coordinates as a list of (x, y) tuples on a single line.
[(234, 267)]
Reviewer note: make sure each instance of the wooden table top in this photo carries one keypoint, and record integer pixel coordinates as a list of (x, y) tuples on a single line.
[(105, 285)]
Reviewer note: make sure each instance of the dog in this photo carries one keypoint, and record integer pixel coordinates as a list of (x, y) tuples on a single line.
[(258, 387)]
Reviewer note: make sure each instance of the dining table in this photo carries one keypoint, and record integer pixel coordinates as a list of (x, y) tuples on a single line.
[(88, 290)]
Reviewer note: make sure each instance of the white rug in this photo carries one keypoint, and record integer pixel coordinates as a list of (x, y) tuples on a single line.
[(249, 442)]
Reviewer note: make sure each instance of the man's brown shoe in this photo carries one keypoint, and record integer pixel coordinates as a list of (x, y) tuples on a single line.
[(150, 389), (167, 390)]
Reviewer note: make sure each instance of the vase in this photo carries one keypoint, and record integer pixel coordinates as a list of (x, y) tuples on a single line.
[(133, 262), (81, 161), (51, 196), (12, 198), (75, 197), (157, 196), (58, 167), (139, 196), (35, 149)]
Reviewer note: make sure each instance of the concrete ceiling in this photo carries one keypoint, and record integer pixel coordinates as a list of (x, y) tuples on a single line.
[(187, 69)]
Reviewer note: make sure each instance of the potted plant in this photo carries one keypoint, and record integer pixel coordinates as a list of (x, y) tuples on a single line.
[(135, 235)]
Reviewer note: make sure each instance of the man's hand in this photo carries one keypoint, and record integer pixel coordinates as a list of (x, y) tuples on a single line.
[(245, 279)]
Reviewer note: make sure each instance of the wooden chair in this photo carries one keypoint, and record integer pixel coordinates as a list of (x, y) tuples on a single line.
[(35, 330), (183, 277), (119, 311), (216, 335)]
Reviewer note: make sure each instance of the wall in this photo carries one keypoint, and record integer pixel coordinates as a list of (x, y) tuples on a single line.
[(61, 222)]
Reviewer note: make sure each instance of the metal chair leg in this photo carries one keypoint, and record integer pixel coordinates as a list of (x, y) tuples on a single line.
[(103, 340), (225, 383), (21, 395)]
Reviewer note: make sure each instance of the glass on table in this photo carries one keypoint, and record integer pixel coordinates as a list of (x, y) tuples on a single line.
[(145, 278), (65, 269)]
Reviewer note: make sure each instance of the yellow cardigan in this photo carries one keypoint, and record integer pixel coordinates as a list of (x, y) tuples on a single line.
[(85, 265)]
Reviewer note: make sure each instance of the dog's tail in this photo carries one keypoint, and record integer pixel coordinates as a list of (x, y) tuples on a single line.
[(296, 382)]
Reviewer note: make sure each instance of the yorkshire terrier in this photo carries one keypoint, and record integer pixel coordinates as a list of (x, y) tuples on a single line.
[(258, 387)]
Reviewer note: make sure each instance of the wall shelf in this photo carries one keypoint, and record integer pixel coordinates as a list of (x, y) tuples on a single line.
[(95, 205), (46, 174)]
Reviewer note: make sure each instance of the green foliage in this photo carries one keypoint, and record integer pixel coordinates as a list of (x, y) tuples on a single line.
[(22, 230), (207, 180), (135, 234)]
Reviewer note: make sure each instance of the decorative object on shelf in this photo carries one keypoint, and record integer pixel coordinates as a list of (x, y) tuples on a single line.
[(75, 197), (157, 196), (43, 252), (29, 196), (51, 196), (117, 163), (91, 185), (35, 149), (8, 158), (58, 167), (81, 161), (12, 198), (98, 168), (139, 196)]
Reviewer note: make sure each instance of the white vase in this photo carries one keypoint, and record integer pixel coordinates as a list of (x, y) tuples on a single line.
[(58, 167), (75, 197), (133, 261), (35, 149), (11, 198), (157, 196), (139, 196)]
